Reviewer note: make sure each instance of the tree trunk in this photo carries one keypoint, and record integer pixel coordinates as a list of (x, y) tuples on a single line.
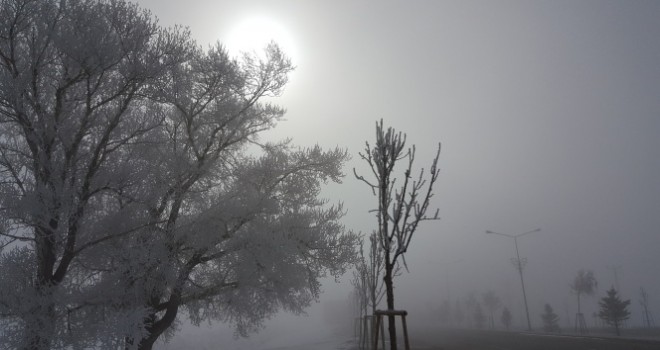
[(156, 328), (616, 327), (147, 343), (40, 325), (389, 288)]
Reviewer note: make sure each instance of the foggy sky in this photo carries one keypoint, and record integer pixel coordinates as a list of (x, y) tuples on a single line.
[(548, 115)]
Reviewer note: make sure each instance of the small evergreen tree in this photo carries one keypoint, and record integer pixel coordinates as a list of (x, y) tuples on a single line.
[(613, 310), (550, 319), (506, 318)]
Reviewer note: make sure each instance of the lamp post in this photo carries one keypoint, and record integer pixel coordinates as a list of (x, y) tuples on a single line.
[(519, 264)]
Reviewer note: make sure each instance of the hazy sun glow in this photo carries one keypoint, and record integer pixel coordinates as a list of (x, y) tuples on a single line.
[(254, 33)]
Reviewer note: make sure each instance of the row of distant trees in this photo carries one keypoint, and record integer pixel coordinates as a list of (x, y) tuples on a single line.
[(482, 312)]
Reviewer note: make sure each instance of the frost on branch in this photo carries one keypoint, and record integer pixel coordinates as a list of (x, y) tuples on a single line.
[(72, 77), (401, 206), (126, 182)]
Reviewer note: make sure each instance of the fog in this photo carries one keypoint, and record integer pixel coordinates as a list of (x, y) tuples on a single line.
[(548, 115)]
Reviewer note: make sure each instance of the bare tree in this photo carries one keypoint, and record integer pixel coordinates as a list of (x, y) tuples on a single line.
[(644, 303), (369, 270), (584, 284), (369, 285), (361, 296), (400, 209), (492, 303)]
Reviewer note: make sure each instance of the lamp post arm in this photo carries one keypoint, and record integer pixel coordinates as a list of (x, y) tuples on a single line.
[(526, 233), (501, 234)]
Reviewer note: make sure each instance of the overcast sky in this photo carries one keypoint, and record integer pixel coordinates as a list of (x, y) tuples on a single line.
[(548, 113)]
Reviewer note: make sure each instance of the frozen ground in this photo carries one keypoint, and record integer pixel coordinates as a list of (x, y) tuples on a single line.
[(330, 343), (280, 333), (284, 341)]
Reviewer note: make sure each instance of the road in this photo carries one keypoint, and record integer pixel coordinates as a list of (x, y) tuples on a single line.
[(434, 339)]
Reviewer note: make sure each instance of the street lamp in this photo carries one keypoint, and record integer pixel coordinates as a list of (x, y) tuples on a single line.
[(519, 264)]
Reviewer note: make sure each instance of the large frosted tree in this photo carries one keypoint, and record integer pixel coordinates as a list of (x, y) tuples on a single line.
[(73, 76), (133, 186), (401, 206)]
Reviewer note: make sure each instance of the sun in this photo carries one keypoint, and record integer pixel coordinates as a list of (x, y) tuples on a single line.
[(253, 34)]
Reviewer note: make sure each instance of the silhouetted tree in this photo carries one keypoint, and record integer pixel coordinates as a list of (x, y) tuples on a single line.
[(583, 284), (506, 318), (644, 303), (550, 319), (492, 303), (401, 208), (613, 310), (479, 317)]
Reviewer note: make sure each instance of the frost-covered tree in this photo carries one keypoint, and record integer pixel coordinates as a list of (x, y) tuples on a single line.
[(367, 275), (212, 195), (73, 113), (368, 285), (401, 207), (613, 310), (129, 193), (550, 319)]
